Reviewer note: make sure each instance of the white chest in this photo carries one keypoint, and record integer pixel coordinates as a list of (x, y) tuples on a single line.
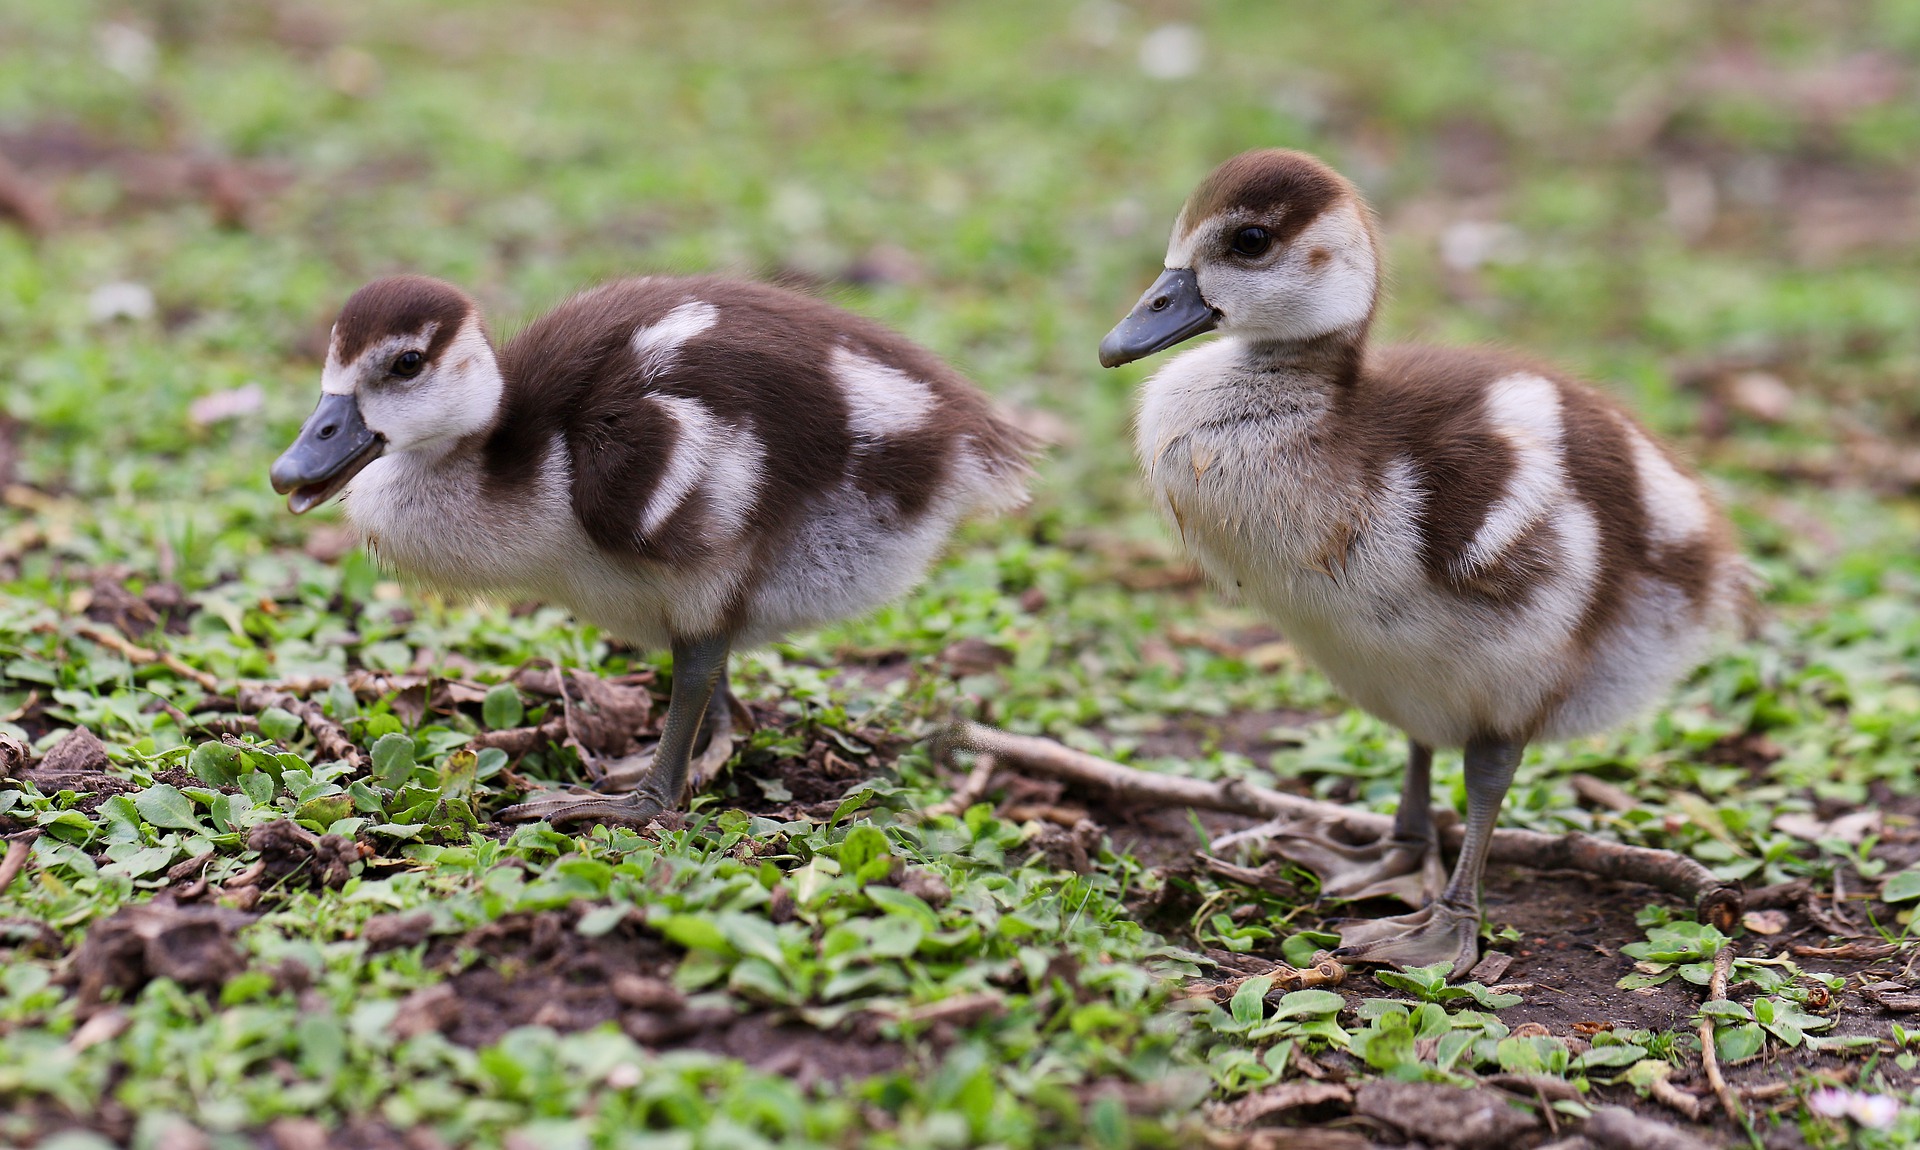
[(439, 525), (1276, 510), (1241, 467)]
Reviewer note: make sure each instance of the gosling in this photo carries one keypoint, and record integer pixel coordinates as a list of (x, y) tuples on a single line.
[(702, 464), (1477, 549)]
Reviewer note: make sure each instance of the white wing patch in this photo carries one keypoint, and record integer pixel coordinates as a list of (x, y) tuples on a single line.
[(1525, 411), (657, 344), (1677, 512), (881, 400), (707, 453)]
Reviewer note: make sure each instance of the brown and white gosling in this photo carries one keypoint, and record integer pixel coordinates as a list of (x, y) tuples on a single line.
[(697, 463), (1477, 549)]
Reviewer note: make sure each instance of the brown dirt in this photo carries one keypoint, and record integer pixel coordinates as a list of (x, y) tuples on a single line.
[(296, 857), (192, 945), (1247, 733), (536, 970)]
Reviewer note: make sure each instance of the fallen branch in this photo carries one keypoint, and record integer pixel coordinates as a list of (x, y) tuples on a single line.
[(517, 741), (1617, 1128), (1662, 1090), (1709, 1057), (19, 848), (328, 735), (141, 656), (1717, 902), (1264, 878), (1855, 950), (970, 791)]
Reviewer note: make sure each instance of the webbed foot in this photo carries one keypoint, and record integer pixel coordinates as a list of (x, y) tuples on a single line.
[(1439, 932), (578, 804), (630, 772), (1406, 868)]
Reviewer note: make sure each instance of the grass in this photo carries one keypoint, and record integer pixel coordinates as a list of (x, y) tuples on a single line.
[(995, 179)]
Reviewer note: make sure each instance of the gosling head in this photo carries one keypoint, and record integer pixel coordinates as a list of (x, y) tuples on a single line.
[(1274, 247), (409, 369)]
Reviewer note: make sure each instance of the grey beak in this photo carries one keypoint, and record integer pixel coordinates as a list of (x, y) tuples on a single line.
[(1171, 311), (333, 445)]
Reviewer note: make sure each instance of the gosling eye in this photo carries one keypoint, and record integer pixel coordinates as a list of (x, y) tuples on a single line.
[(1251, 242), (407, 364)]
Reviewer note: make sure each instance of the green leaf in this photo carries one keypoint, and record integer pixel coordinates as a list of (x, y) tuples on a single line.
[(489, 763), (258, 786), (893, 900), (1249, 1002), (456, 775), (1721, 1009), (1300, 948), (1609, 1057), (1306, 1003), (397, 830), (216, 764), (325, 810), (695, 932), (1520, 1056), (281, 726), (392, 760), (1736, 1044), (69, 826), (1902, 887), (141, 863), (862, 845), (164, 806), (1388, 1043), (602, 919), (502, 707)]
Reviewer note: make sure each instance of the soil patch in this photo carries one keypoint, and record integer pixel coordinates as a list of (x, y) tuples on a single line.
[(537, 970), (1247, 733), (192, 945)]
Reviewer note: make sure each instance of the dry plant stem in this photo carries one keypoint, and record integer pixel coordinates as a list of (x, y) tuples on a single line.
[(134, 653), (1717, 990), (1688, 1106), (328, 735), (971, 790), (1716, 901), (19, 849), (517, 741)]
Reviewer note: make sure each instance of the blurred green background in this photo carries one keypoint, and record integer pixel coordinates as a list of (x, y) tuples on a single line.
[(1711, 209)]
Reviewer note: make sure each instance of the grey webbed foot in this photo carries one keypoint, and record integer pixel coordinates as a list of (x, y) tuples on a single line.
[(656, 782), (1406, 868), (1439, 932), (715, 747), (577, 804)]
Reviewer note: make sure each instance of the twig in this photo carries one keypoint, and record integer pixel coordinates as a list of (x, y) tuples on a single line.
[(971, 790), (134, 653), (517, 741), (18, 848), (1601, 793), (1617, 1128), (1716, 991), (328, 735), (1717, 902), (1663, 1091), (1858, 950)]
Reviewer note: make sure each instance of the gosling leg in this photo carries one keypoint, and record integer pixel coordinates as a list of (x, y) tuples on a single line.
[(1403, 864), (1448, 930), (699, 672)]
